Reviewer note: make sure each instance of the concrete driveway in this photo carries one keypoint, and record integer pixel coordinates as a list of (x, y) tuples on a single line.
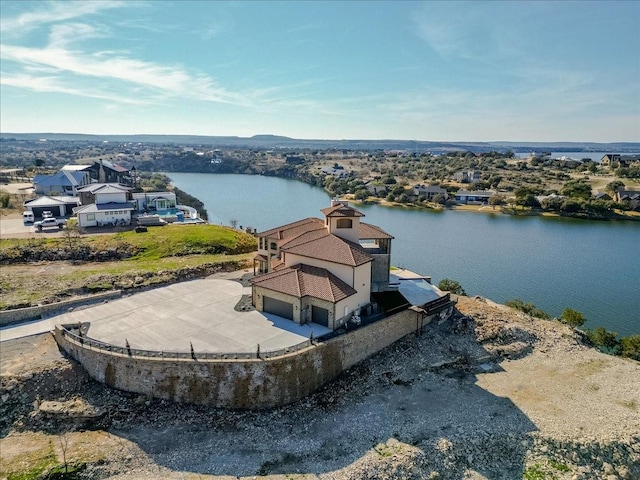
[(198, 312)]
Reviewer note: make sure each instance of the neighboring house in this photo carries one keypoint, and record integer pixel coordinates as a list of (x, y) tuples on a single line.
[(336, 171), (154, 201), (321, 271), (602, 196), (615, 160), (59, 206), (376, 188), (429, 191), (627, 196), (474, 197), (104, 204), (468, 176), (64, 182)]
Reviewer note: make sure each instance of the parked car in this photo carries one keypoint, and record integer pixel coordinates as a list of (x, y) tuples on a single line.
[(47, 214), (28, 217), (49, 223)]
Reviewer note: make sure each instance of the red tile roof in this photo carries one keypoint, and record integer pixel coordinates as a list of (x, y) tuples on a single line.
[(341, 211), (372, 231), (331, 249), (306, 281), (293, 229)]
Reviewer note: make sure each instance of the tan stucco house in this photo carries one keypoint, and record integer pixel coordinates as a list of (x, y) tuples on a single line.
[(321, 270)]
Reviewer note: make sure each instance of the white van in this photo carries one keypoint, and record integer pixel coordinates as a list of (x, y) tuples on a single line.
[(27, 217)]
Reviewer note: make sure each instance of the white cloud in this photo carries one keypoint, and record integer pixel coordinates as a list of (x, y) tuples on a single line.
[(54, 12)]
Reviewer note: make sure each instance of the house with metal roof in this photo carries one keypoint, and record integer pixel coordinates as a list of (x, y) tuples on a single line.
[(61, 183), (321, 271)]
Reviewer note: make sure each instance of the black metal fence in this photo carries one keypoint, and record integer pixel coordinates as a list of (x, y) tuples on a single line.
[(182, 355)]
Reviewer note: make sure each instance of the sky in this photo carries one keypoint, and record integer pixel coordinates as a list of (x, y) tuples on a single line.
[(440, 71)]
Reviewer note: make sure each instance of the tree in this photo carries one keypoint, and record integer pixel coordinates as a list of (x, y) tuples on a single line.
[(362, 194), (448, 285), (577, 188), (613, 187), (572, 317), (496, 200), (630, 347), (604, 338)]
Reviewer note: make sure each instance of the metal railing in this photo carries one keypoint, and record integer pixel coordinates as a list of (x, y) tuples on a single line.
[(91, 343)]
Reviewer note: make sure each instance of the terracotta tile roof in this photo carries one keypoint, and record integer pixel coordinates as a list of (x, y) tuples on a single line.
[(331, 249), (293, 229), (372, 231), (303, 238), (306, 281), (260, 257), (341, 211)]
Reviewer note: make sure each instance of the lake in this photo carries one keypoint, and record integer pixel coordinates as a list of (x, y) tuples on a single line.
[(591, 266)]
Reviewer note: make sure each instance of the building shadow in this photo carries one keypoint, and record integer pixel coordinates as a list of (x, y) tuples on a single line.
[(419, 395)]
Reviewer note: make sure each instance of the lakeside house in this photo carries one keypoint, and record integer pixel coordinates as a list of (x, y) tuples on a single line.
[(330, 271), (475, 197), (429, 191), (61, 183), (58, 205), (104, 204), (375, 187)]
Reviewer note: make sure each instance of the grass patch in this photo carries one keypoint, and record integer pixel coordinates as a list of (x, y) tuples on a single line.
[(630, 404), (180, 240), (561, 467), (536, 472)]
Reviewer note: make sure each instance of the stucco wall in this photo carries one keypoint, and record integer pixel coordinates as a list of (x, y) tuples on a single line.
[(245, 384), (17, 315)]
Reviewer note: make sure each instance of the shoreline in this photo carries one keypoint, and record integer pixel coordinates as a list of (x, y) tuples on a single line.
[(490, 210)]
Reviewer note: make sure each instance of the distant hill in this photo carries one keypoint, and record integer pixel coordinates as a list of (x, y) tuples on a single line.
[(276, 141)]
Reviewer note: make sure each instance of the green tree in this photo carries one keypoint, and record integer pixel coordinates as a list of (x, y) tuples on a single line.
[(448, 285), (613, 187), (630, 347), (362, 194), (579, 188), (604, 338), (496, 201), (572, 317)]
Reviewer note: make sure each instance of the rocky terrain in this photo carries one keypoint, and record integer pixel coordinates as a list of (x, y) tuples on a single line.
[(493, 394)]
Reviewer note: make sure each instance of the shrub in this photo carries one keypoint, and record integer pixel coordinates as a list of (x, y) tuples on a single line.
[(528, 308), (572, 317), (448, 285)]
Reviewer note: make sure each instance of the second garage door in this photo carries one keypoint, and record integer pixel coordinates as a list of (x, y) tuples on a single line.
[(320, 315), (278, 307)]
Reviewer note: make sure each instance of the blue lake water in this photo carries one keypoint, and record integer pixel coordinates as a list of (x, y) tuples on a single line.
[(592, 266)]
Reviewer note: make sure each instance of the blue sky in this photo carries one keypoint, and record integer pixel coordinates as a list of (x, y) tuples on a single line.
[(442, 71)]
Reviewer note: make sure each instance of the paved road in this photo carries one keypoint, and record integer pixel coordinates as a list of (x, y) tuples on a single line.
[(198, 312)]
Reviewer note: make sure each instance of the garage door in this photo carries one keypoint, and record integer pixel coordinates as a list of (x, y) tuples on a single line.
[(278, 307), (320, 315), (55, 211)]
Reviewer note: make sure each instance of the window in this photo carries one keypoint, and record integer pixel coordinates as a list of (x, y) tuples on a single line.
[(344, 223), (91, 217), (273, 246)]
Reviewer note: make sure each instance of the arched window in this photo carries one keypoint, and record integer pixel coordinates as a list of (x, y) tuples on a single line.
[(344, 223)]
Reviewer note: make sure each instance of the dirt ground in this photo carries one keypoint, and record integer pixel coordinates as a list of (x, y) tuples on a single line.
[(493, 394)]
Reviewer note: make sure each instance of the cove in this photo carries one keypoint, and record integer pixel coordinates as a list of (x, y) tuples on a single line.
[(591, 266)]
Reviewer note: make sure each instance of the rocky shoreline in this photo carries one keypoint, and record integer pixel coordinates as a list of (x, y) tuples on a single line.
[(494, 394)]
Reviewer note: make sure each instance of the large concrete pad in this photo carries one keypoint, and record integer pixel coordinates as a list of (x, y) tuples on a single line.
[(199, 312)]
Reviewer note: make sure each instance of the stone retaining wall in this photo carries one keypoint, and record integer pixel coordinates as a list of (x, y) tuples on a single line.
[(246, 383), (8, 317)]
